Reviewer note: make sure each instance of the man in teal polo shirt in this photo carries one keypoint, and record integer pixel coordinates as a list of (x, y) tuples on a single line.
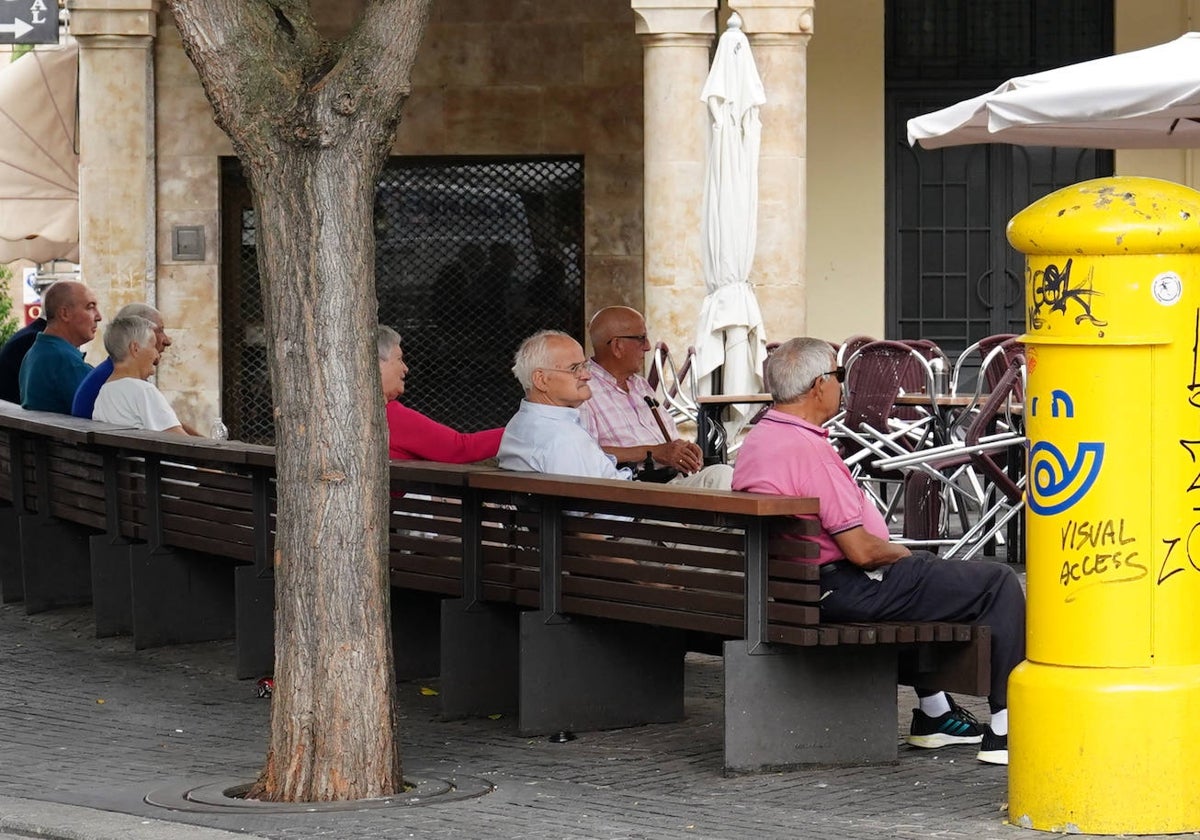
[(54, 365)]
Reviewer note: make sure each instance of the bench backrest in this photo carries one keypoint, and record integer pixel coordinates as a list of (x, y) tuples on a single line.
[(656, 554)]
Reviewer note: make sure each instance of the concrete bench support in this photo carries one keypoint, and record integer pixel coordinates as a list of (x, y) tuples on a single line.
[(416, 633), (12, 582), (809, 705), (588, 674), (180, 596), (255, 621), (56, 563), (112, 587), (478, 659)]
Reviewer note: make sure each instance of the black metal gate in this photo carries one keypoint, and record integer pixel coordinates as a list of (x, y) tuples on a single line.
[(471, 257), (951, 274)]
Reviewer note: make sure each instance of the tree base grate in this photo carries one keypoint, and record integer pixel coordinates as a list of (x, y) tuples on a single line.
[(227, 796)]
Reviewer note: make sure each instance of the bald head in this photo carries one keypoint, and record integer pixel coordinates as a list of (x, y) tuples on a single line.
[(58, 296), (612, 321), (72, 312), (619, 343)]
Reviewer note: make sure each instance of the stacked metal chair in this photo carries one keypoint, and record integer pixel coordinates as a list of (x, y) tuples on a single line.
[(972, 473), (870, 428)]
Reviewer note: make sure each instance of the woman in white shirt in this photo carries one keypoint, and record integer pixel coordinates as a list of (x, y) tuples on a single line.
[(127, 399)]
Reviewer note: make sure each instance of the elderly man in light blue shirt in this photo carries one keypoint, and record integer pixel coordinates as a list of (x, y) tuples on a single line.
[(545, 435)]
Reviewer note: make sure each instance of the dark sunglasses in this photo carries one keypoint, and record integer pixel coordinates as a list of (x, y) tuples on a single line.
[(838, 372)]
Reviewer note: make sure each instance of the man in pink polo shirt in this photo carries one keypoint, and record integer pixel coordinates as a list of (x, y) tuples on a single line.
[(865, 576), (618, 416)]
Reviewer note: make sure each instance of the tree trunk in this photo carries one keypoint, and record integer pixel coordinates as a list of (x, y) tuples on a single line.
[(312, 123)]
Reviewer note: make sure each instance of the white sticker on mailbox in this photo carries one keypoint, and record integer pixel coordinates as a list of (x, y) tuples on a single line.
[(1167, 288)]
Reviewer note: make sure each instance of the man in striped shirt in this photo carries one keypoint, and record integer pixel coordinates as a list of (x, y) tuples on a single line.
[(618, 415)]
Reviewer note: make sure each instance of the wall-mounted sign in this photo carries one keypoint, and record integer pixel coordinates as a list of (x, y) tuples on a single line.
[(28, 22)]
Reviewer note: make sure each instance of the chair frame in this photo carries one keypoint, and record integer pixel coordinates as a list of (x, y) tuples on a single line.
[(875, 431), (970, 470)]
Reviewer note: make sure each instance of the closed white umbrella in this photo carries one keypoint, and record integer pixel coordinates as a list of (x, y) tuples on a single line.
[(39, 183), (1145, 99), (730, 335)]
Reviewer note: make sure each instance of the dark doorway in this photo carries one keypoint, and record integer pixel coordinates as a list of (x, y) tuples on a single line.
[(951, 274), (472, 255)]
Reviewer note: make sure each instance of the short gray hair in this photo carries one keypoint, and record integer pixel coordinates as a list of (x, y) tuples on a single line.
[(138, 309), (794, 365), (385, 339), (123, 331), (534, 353)]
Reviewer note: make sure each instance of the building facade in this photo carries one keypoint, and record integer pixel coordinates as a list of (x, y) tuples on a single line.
[(612, 85)]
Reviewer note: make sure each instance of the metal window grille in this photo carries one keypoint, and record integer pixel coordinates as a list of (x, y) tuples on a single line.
[(952, 275), (968, 43), (471, 257)]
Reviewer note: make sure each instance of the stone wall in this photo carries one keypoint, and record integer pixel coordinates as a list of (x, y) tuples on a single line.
[(494, 77), (189, 146)]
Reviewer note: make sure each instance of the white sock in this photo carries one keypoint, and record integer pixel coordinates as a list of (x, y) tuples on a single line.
[(934, 705), (1000, 722)]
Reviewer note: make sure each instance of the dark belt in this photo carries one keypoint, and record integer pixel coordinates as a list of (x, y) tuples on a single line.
[(834, 565)]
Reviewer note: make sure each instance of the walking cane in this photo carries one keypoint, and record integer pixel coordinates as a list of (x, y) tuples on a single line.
[(662, 427)]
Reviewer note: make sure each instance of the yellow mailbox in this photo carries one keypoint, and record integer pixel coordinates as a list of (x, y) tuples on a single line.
[(1104, 731)]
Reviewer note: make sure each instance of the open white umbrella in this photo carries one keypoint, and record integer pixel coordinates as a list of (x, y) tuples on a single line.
[(730, 336), (1145, 99), (39, 183)]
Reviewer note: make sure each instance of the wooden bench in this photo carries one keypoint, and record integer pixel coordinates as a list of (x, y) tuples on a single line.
[(614, 575), (168, 537), (567, 602), (55, 489)]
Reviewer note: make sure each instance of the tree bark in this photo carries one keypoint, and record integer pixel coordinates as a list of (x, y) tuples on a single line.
[(312, 122)]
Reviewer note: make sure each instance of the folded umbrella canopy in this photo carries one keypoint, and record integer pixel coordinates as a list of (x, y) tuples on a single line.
[(39, 185), (1145, 99), (730, 335)]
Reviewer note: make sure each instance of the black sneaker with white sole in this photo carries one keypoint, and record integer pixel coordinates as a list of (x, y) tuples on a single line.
[(957, 726), (994, 748)]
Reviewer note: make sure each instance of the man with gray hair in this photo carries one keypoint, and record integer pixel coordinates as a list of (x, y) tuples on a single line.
[(864, 575), (545, 435), (85, 395), (127, 398)]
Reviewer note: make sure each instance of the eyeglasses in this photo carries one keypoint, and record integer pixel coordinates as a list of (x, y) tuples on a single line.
[(577, 370), (640, 339), (839, 372)]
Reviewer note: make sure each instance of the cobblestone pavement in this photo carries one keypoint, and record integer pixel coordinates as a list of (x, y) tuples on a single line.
[(86, 722)]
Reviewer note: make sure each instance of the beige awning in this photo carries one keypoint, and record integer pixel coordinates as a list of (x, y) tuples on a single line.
[(39, 182)]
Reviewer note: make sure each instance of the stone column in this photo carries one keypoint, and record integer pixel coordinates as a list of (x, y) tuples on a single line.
[(116, 149), (677, 36), (779, 31)]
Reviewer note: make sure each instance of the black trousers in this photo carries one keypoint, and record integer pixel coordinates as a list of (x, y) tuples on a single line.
[(925, 587)]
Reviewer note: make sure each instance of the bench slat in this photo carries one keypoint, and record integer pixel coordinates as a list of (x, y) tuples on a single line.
[(644, 494), (426, 583), (792, 613)]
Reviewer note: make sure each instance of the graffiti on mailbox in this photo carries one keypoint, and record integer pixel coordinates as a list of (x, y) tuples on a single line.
[(1194, 385), (1179, 558), (1053, 293), (1182, 552), (1098, 552)]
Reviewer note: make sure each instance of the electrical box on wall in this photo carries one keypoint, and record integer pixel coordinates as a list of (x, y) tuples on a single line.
[(187, 242)]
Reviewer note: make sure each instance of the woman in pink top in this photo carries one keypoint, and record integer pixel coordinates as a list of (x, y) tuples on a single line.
[(411, 435)]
